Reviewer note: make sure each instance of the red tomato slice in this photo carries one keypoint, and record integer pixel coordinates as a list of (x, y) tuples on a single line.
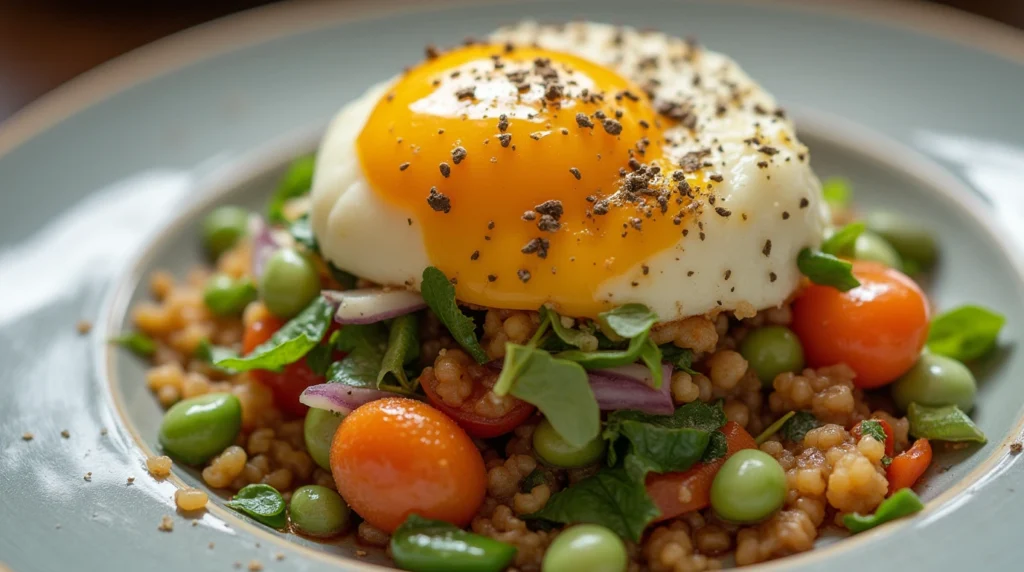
[(288, 384), (473, 423)]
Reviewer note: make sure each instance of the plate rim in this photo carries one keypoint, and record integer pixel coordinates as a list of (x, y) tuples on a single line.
[(272, 21)]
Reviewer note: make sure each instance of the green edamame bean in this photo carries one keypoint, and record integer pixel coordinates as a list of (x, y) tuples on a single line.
[(936, 381), (872, 247), (318, 430), (289, 283), (772, 350), (911, 240), (421, 545), (223, 227), (749, 487), (225, 296), (586, 547), (195, 430), (554, 450), (318, 511)]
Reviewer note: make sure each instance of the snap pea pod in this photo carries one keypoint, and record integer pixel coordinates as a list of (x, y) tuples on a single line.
[(421, 545), (947, 423), (902, 503)]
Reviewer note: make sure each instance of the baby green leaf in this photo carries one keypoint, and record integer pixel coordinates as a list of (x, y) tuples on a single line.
[(680, 358), (903, 502), (629, 320), (439, 294), (289, 344), (296, 182), (837, 192), (826, 270), (607, 358), (138, 343), (403, 348), (580, 339), (842, 240), (965, 333), (302, 232), (365, 345), (798, 426), (261, 502)]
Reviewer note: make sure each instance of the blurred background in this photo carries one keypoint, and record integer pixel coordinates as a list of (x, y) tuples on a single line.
[(44, 43)]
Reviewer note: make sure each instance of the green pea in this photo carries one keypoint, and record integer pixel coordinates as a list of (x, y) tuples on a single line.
[(289, 283), (223, 227), (870, 246), (195, 430), (912, 240), (318, 511), (226, 296), (749, 487), (554, 450), (935, 381), (318, 430), (586, 547), (772, 350)]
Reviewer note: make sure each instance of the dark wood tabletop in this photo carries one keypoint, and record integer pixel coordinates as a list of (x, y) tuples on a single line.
[(44, 43)]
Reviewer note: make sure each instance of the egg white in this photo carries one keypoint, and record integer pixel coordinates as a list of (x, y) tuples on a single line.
[(724, 263)]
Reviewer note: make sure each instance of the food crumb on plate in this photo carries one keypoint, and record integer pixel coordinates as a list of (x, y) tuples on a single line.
[(88, 477), (279, 556), (1016, 447), (131, 480), (190, 499), (159, 467), (166, 524), (84, 327), (361, 553), (26, 436), (255, 566), (65, 434), (210, 545)]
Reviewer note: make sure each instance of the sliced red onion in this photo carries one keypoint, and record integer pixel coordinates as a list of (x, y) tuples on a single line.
[(340, 398), (264, 244), (629, 387), (369, 305)]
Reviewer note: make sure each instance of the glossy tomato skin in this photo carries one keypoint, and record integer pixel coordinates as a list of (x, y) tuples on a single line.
[(288, 384), (397, 456), (877, 328), (476, 425)]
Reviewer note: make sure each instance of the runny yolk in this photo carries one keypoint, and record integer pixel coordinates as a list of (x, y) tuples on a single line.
[(511, 161)]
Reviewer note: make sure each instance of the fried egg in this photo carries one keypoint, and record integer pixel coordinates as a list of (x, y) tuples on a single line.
[(582, 166)]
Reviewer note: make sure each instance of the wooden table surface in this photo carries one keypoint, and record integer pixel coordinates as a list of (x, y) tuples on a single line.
[(44, 43)]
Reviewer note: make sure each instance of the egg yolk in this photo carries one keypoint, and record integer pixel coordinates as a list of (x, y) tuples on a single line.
[(535, 175)]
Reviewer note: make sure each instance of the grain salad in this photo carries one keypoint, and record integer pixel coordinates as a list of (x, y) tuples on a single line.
[(702, 358)]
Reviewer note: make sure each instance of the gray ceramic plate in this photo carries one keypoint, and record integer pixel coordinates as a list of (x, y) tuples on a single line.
[(103, 180)]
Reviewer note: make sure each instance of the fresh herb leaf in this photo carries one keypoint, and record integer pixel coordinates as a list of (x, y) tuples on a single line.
[(560, 389), (650, 354), (946, 423), (403, 347), (140, 344), (662, 443), (965, 333), (629, 320), (610, 498), (585, 341), (346, 280), (365, 345), (873, 428), (431, 545), (903, 502), (774, 428), (261, 502), (226, 296), (319, 359), (439, 294), (607, 358), (837, 192), (680, 358), (826, 270), (211, 354), (798, 426), (842, 239), (302, 232), (296, 182), (718, 447), (536, 478), (289, 344)]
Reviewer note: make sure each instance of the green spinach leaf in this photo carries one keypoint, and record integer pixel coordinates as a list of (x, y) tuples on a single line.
[(289, 344), (138, 343), (365, 345), (302, 232), (629, 320), (662, 443), (965, 333), (439, 294), (585, 341), (560, 389), (842, 239), (261, 502), (651, 356), (798, 426), (403, 348), (319, 359), (680, 358), (296, 182), (826, 270)]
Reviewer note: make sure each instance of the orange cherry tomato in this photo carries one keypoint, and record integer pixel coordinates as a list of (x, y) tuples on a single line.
[(877, 328), (288, 384), (678, 493), (907, 467), (890, 437), (398, 456)]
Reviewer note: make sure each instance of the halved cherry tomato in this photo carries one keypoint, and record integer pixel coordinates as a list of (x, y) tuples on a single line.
[(397, 456), (907, 467), (288, 384), (466, 415), (877, 328), (678, 493), (890, 437)]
